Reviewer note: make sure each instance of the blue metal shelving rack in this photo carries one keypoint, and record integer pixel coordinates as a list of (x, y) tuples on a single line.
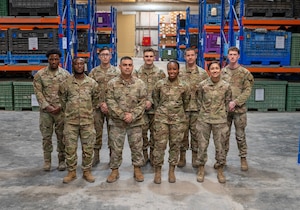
[(224, 19), (68, 41), (113, 38)]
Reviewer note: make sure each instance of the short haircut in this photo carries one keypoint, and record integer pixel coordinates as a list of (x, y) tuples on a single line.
[(125, 58), (52, 52), (190, 49), (78, 58), (173, 61), (104, 48), (233, 48), (217, 62), (149, 50)]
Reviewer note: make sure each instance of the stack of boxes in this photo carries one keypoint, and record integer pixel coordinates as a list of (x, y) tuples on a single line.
[(168, 34)]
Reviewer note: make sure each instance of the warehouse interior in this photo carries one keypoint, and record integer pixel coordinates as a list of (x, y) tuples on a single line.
[(267, 33)]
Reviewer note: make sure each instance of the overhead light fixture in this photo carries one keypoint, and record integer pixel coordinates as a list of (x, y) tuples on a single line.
[(128, 13)]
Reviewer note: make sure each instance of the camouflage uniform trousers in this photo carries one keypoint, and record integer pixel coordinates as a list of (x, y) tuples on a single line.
[(148, 126), (240, 123), (99, 122), (162, 134), (87, 136), (117, 138), (192, 117), (47, 123), (219, 134)]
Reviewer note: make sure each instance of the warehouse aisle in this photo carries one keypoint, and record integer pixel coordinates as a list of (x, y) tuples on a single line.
[(272, 181)]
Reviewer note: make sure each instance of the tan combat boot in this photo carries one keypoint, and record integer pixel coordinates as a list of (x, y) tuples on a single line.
[(87, 175), (47, 161), (114, 175), (200, 175), (47, 165), (194, 159), (146, 158), (70, 177), (182, 160), (137, 174), (157, 176), (221, 177), (244, 164), (172, 178), (96, 158)]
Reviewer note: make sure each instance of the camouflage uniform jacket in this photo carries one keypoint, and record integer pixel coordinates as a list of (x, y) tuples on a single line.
[(193, 77), (102, 76), (171, 100), (241, 82), (214, 99), (126, 96), (46, 86), (150, 77), (79, 99)]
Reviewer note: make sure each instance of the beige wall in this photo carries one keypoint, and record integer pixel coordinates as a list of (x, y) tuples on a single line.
[(126, 35)]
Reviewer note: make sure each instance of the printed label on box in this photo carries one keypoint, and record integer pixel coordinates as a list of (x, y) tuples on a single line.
[(259, 94)]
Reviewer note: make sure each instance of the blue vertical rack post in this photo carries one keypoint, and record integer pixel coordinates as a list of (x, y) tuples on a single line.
[(68, 60), (114, 39), (201, 13), (61, 13), (92, 49), (74, 39), (65, 32), (222, 34), (241, 29), (187, 27), (178, 39)]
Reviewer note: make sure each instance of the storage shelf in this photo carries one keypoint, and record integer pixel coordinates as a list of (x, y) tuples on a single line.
[(167, 35), (27, 27), (274, 22), (167, 45), (269, 69), (216, 28), (211, 55), (83, 54), (104, 29), (29, 20), (21, 67)]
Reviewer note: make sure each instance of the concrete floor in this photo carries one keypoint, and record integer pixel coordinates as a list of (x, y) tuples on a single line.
[(272, 181)]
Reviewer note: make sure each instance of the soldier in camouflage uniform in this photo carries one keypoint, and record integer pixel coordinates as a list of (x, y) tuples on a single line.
[(126, 100), (171, 97), (46, 84), (193, 75), (213, 95), (241, 82), (150, 74), (79, 98), (102, 74)]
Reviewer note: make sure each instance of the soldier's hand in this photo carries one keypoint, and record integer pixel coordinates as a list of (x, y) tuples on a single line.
[(128, 117), (56, 110), (104, 108), (232, 105), (50, 109), (148, 105)]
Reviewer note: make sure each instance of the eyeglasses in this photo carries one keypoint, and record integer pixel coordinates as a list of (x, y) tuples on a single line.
[(104, 55), (148, 56)]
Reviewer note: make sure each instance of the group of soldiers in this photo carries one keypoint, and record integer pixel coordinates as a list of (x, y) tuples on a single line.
[(181, 109)]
